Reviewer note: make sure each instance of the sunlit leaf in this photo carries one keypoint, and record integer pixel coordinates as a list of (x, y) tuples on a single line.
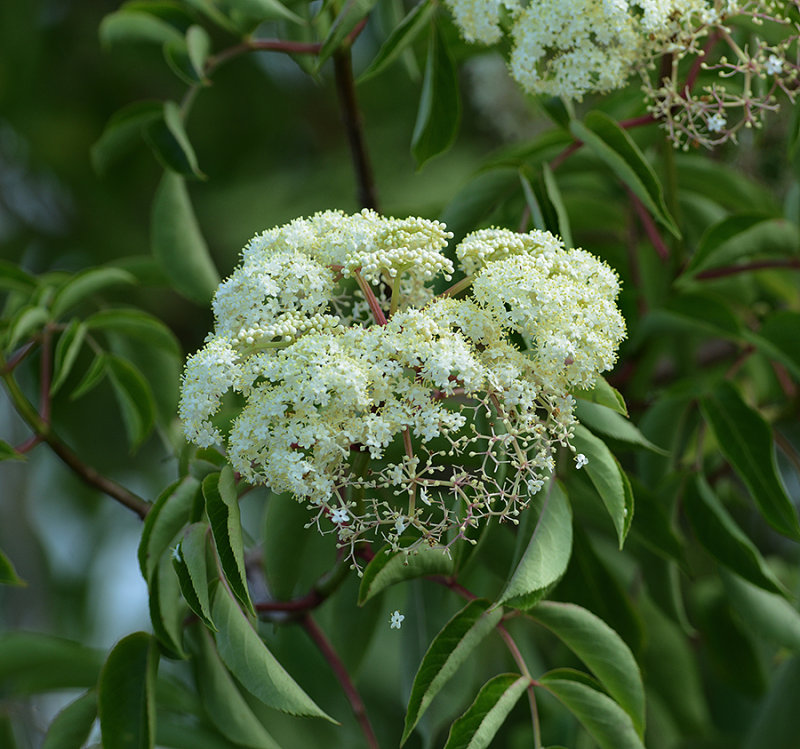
[(604, 395), (222, 507), (547, 551), (609, 725), (450, 648), (249, 660), (223, 702), (476, 728), (609, 423), (389, 568), (601, 649)]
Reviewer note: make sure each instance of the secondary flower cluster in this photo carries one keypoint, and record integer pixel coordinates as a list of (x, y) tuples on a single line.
[(571, 49), (392, 412)]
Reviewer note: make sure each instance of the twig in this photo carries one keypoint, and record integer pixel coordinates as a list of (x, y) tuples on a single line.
[(351, 117), (520, 661), (731, 270), (338, 668), (649, 225), (87, 473)]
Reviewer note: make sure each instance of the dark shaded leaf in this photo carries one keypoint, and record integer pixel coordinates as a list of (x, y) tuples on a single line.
[(123, 130), (170, 143), (71, 727), (135, 399)]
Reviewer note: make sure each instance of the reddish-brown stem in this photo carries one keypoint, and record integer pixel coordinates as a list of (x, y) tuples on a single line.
[(18, 357), (46, 373), (372, 300), (351, 117), (520, 661), (649, 226), (338, 668), (303, 604), (731, 270), (29, 444), (456, 587), (645, 119)]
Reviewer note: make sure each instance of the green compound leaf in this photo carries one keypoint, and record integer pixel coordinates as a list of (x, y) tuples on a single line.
[(167, 609), (547, 553), (351, 14), (223, 702), (222, 507), (766, 614), (609, 725), (249, 660), (135, 27), (84, 284), (608, 479), (449, 649), (25, 321), (609, 423), (476, 728), (170, 512), (170, 143), (723, 539), (71, 727), (745, 439), (189, 561), (612, 145), (177, 243), (389, 568), (68, 347), (32, 663), (8, 575), (126, 694), (439, 110), (601, 649), (123, 131), (401, 37), (135, 399)]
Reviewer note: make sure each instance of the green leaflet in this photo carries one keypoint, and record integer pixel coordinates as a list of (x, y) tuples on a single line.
[(71, 727), (612, 145), (547, 552), (135, 324), (167, 609), (439, 110), (8, 575), (167, 516), (170, 143), (126, 694), (601, 649), (249, 660), (134, 397), (177, 242), (476, 728), (745, 439), (401, 37), (608, 479), (351, 13), (123, 130), (222, 508), (222, 700), (610, 423), (603, 718), (389, 568), (768, 614), (723, 539), (189, 562), (67, 349), (450, 648), (84, 284), (604, 395)]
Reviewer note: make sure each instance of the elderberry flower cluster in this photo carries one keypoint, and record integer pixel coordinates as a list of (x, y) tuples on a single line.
[(391, 412), (571, 49)]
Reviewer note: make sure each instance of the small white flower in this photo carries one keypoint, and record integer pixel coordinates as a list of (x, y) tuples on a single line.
[(716, 122), (774, 65), (397, 620), (400, 525), (580, 461), (340, 515), (423, 495)]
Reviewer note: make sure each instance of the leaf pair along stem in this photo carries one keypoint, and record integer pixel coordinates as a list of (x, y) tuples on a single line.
[(40, 422)]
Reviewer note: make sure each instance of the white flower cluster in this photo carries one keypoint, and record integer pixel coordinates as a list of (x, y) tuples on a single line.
[(574, 48), (391, 413)]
